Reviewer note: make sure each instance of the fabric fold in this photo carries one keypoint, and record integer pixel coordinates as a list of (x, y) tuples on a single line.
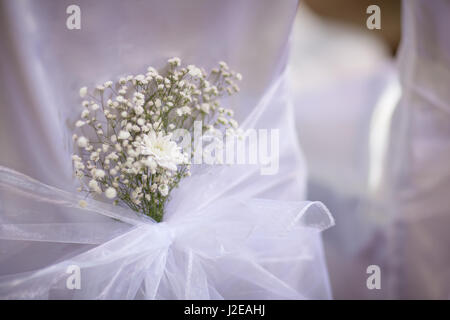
[(185, 258)]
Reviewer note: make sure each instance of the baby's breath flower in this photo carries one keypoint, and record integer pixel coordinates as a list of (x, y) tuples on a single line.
[(94, 186), (175, 61), (99, 173), (162, 150), (110, 193), (85, 114), (194, 71), (139, 110), (82, 142), (163, 189), (123, 135), (233, 123), (205, 107), (79, 123), (223, 65), (222, 120), (83, 92), (82, 203)]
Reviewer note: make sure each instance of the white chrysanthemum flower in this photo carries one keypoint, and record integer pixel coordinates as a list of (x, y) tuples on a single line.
[(83, 92), (110, 193), (165, 152)]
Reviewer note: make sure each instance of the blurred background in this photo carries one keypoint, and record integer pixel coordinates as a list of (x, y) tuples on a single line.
[(346, 89)]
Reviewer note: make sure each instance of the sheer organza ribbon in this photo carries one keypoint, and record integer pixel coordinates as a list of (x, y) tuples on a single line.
[(231, 240)]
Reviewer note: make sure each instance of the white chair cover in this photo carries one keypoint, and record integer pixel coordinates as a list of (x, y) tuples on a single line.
[(229, 232)]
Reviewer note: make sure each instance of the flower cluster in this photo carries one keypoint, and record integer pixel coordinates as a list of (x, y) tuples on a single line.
[(124, 145)]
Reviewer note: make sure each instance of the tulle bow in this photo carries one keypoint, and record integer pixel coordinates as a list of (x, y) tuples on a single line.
[(232, 247)]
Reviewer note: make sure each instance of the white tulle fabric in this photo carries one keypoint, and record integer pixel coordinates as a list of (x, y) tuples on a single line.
[(417, 175), (233, 247)]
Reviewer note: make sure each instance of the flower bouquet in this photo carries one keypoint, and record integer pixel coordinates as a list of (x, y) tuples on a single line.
[(220, 235), (131, 155)]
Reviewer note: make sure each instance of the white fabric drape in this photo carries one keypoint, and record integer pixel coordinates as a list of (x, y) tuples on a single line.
[(399, 223), (345, 86), (418, 174)]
